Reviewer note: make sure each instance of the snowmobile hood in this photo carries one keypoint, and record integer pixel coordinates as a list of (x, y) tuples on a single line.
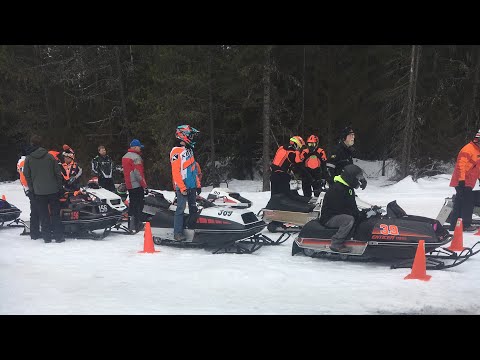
[(39, 153), (339, 179)]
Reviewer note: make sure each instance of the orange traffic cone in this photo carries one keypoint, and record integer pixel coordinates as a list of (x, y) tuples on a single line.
[(148, 246), (457, 242), (4, 198), (419, 267)]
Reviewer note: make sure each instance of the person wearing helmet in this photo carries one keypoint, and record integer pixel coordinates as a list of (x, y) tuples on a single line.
[(70, 170), (134, 175), (185, 175), (339, 209), (288, 158), (464, 177), (342, 154), (315, 164)]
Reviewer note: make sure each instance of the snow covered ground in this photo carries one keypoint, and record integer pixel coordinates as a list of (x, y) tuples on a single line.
[(109, 276)]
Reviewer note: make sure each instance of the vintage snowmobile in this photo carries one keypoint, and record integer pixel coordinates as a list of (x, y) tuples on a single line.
[(8, 213), (444, 214), (82, 213), (288, 213), (229, 198), (223, 230), (391, 237)]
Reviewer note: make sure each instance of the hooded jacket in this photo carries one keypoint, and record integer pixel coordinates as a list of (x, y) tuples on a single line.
[(42, 172), (339, 199)]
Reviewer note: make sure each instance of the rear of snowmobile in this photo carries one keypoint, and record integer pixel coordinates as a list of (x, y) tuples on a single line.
[(82, 213), (9, 213), (445, 212), (392, 237), (223, 230), (228, 198)]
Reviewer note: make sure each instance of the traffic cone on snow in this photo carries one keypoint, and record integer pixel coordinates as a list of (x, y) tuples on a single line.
[(457, 242), (4, 198), (419, 267), (148, 246)]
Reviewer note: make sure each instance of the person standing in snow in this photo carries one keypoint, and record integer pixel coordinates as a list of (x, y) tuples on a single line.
[(102, 167), (185, 175), (134, 175), (342, 154), (464, 177), (44, 177)]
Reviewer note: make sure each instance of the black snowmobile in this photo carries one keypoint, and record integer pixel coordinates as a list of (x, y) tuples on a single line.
[(289, 212), (223, 230), (82, 213), (392, 237), (8, 213)]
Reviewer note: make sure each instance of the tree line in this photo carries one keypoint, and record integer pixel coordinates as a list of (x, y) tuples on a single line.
[(417, 104)]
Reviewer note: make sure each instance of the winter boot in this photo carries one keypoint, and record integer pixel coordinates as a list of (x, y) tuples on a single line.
[(132, 226)]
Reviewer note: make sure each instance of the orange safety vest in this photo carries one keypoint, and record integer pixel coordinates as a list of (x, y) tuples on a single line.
[(467, 167), (315, 160)]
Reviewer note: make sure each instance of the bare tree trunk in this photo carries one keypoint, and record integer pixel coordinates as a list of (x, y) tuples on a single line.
[(122, 93), (212, 123), (408, 131), (266, 118)]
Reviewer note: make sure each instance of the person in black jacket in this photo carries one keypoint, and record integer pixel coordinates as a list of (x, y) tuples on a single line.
[(102, 167), (342, 154), (339, 209)]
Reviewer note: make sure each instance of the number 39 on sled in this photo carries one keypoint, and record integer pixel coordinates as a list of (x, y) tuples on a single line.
[(392, 237)]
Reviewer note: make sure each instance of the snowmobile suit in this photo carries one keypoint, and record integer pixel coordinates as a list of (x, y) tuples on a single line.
[(71, 174), (102, 167), (185, 178), (285, 161), (316, 166), (464, 178), (340, 210)]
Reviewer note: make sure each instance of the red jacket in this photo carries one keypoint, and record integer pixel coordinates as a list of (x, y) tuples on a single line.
[(133, 172)]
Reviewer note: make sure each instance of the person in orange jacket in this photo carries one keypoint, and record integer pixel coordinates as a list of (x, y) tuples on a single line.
[(464, 177), (288, 158), (185, 176), (316, 166)]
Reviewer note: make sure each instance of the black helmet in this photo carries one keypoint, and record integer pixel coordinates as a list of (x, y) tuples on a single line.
[(353, 176)]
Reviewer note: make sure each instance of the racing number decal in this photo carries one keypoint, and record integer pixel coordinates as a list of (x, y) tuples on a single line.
[(74, 215), (225, 212), (102, 208), (388, 229)]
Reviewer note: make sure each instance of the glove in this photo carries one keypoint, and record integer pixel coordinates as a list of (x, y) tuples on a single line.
[(184, 192), (199, 190), (363, 183), (71, 181), (29, 193), (461, 183), (146, 191)]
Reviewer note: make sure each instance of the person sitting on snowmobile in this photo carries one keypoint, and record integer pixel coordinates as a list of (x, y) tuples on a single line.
[(185, 176), (70, 170), (288, 158), (339, 209), (315, 164), (464, 177), (342, 154)]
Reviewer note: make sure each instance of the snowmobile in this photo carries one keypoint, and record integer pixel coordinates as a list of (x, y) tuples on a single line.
[(117, 200), (391, 237), (289, 212), (8, 213), (223, 230), (82, 212), (445, 212), (226, 197)]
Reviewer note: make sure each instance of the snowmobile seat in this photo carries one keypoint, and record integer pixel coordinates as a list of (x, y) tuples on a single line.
[(284, 202), (314, 229)]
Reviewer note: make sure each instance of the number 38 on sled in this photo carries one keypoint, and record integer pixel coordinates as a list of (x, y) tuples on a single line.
[(392, 237)]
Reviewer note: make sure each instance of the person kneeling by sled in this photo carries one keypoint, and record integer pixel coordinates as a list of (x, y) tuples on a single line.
[(339, 208)]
